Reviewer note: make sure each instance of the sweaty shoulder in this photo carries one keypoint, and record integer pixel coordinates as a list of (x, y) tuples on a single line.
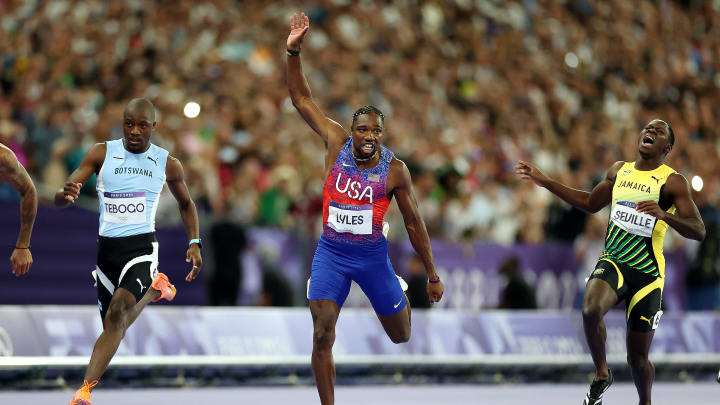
[(96, 155), (613, 170), (676, 184), (98, 151), (398, 174), (173, 169)]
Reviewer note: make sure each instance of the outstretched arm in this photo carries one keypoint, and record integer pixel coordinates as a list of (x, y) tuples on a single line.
[(15, 174), (300, 95), (175, 178), (403, 192), (686, 219), (91, 163), (591, 202)]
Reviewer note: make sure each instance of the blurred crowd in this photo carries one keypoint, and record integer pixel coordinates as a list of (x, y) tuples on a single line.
[(467, 88)]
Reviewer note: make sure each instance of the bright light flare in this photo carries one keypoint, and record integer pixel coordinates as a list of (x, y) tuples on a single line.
[(192, 109), (697, 183)]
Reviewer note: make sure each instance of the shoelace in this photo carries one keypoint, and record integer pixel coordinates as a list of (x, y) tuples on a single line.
[(87, 386)]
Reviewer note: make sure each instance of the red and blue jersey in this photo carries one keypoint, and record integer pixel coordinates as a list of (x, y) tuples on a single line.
[(355, 200)]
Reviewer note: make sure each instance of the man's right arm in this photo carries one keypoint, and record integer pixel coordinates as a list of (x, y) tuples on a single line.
[(91, 163), (591, 202), (329, 130)]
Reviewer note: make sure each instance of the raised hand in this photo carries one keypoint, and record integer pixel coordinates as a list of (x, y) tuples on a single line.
[(530, 172), (299, 26)]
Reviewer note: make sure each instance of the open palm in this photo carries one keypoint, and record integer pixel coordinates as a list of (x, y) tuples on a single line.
[(299, 26)]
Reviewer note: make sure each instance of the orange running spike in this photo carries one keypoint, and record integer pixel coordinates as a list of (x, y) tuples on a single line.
[(162, 284), (82, 396)]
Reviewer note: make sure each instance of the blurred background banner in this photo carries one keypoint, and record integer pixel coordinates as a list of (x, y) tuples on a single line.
[(275, 266), (467, 89), (275, 334)]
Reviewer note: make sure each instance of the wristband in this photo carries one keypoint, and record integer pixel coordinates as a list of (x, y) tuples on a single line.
[(18, 247), (292, 53), (434, 281), (196, 240)]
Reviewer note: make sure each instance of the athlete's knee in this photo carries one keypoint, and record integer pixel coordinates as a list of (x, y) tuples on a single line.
[(323, 337), (592, 312), (117, 316)]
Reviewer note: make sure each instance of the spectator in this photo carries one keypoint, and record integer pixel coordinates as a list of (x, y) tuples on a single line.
[(517, 293)]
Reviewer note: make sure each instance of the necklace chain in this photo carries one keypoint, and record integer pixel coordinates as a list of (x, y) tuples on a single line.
[(364, 159)]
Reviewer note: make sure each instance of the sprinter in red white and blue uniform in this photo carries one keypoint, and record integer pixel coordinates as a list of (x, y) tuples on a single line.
[(362, 178)]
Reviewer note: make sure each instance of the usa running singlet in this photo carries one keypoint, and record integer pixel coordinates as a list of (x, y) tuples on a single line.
[(128, 187), (634, 238), (355, 200)]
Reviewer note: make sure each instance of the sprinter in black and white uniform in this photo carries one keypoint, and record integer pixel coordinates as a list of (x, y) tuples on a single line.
[(131, 173)]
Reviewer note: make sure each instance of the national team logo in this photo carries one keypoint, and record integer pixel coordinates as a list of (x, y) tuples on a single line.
[(598, 272), (352, 189)]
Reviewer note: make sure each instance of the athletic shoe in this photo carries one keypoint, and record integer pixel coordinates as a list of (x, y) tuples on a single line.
[(82, 396), (162, 284), (597, 389)]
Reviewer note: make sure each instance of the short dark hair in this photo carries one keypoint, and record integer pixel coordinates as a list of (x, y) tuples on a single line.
[(367, 110)]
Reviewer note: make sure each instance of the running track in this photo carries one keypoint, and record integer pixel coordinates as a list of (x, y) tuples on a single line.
[(705, 393)]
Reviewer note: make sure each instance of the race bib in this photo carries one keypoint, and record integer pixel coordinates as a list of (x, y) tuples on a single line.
[(124, 208), (355, 219), (631, 220)]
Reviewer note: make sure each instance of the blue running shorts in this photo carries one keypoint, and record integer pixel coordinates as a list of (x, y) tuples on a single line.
[(336, 264)]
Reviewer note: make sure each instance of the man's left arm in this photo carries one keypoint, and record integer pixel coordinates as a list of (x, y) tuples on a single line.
[(175, 178), (404, 194), (17, 176), (686, 219)]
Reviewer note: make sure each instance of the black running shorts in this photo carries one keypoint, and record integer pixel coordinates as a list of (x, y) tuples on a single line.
[(642, 293), (128, 262)]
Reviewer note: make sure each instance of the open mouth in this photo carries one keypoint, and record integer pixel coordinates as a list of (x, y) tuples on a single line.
[(648, 140), (367, 148)]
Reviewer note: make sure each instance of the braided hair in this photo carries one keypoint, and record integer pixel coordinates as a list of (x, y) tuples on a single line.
[(368, 109)]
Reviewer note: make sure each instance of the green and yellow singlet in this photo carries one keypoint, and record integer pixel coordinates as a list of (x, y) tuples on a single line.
[(634, 238)]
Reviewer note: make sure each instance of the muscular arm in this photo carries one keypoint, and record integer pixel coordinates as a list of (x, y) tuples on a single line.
[(329, 130), (591, 202), (405, 196), (175, 178), (91, 163), (686, 219), (12, 171)]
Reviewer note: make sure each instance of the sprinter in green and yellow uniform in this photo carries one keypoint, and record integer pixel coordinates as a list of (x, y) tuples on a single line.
[(645, 197)]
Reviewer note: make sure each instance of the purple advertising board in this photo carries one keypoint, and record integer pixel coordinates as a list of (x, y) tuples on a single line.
[(64, 244)]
